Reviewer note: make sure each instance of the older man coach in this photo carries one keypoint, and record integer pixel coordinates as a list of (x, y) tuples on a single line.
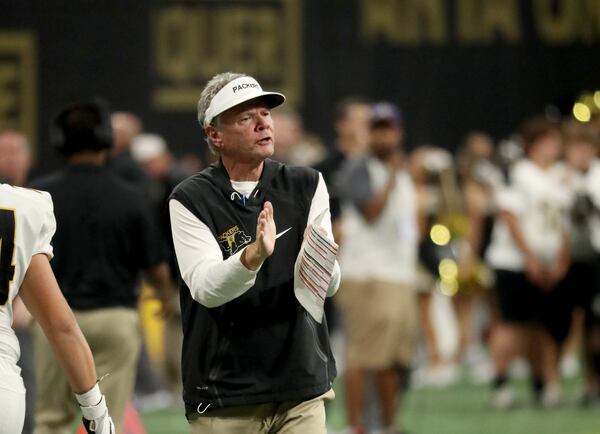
[(254, 360)]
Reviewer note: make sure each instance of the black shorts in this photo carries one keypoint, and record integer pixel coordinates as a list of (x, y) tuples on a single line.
[(518, 300), (579, 286), (592, 309), (521, 302), (559, 303)]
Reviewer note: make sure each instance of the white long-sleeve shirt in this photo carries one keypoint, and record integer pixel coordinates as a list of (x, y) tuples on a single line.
[(213, 281)]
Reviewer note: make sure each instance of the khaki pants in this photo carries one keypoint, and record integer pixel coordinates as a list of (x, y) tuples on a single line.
[(381, 323), (293, 417), (114, 338), (173, 344)]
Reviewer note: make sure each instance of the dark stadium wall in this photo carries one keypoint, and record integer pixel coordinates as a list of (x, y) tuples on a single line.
[(452, 65)]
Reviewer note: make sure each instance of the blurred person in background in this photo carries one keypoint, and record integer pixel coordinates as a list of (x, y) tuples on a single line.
[(580, 288), (479, 179), (152, 153), (164, 173), (191, 163), (530, 253), (593, 326), (351, 122), (289, 126), (106, 237), (379, 256), (438, 206), (15, 163), (15, 158), (294, 145), (455, 215), (126, 127)]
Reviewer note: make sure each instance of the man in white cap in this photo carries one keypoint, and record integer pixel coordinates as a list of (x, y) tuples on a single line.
[(253, 359)]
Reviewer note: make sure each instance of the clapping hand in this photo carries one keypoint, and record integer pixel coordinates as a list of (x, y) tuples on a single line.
[(264, 245), (265, 232)]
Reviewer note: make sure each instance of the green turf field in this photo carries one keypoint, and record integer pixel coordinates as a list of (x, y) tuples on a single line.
[(460, 409)]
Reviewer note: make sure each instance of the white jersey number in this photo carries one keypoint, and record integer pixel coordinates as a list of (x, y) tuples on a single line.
[(7, 250)]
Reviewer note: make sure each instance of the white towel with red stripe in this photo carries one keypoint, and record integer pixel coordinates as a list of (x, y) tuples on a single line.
[(314, 270)]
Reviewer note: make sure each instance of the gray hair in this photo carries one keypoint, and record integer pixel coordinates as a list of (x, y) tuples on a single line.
[(213, 87)]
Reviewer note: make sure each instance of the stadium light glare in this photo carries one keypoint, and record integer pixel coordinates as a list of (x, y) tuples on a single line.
[(448, 287), (448, 269), (587, 98), (440, 234), (582, 112)]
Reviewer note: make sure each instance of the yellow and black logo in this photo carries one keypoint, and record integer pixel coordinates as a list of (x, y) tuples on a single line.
[(233, 239)]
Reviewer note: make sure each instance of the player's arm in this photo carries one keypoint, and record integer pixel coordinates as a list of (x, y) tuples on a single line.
[(562, 263), (533, 267), (43, 298), (46, 303)]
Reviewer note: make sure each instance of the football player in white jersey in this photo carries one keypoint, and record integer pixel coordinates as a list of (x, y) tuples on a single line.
[(530, 253), (581, 288), (27, 225)]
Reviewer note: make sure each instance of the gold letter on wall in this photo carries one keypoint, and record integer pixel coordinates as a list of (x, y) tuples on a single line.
[(480, 21), (404, 22), (18, 88), (193, 41)]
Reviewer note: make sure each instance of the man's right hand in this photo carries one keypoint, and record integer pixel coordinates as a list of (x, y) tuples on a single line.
[(264, 245)]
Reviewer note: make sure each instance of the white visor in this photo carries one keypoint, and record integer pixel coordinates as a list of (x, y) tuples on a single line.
[(236, 92)]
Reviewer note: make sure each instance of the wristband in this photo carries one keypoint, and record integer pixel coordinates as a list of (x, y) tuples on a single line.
[(90, 398)]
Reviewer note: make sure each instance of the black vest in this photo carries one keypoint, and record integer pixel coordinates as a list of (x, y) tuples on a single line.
[(262, 346)]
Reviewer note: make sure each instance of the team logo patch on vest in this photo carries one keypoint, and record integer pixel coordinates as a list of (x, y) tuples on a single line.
[(233, 239)]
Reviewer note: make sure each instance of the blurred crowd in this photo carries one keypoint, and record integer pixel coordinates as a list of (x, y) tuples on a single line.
[(508, 233), (474, 265)]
